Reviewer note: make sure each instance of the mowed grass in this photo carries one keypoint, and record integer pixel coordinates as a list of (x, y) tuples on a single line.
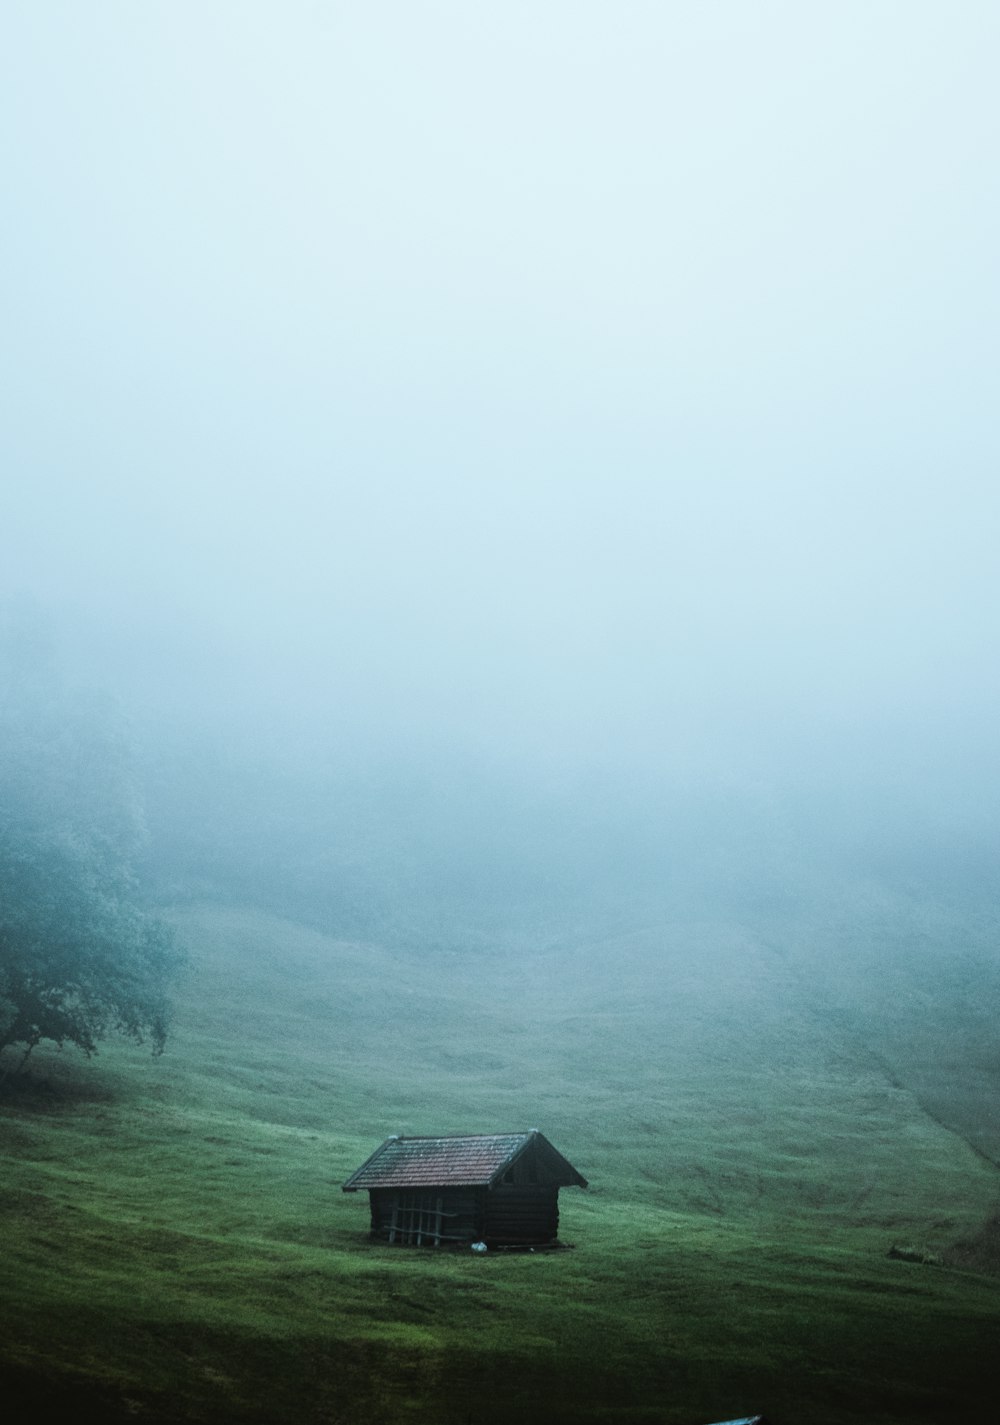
[(177, 1247)]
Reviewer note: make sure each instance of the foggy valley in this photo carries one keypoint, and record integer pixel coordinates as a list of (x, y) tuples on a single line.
[(498, 629)]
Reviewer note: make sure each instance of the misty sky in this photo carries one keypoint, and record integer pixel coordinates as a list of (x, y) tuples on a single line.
[(569, 375)]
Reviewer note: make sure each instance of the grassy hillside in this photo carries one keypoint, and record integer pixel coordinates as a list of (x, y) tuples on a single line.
[(177, 1246)]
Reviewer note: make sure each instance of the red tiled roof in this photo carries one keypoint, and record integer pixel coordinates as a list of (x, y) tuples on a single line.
[(474, 1160)]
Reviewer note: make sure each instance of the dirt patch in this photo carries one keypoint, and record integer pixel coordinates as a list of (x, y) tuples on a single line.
[(909, 1252)]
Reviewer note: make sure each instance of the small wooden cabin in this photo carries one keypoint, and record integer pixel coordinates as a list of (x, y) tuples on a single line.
[(497, 1188)]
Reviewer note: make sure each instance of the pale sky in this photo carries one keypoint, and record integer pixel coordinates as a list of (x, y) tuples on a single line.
[(579, 373)]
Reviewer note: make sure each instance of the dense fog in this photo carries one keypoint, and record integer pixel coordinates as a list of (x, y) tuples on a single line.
[(499, 610), (515, 470)]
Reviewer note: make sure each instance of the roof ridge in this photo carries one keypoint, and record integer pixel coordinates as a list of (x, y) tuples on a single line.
[(452, 1137)]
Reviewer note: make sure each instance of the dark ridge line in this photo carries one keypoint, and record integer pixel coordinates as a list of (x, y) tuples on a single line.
[(925, 1108), (838, 1019)]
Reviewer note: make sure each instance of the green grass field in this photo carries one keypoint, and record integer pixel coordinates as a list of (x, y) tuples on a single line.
[(176, 1245)]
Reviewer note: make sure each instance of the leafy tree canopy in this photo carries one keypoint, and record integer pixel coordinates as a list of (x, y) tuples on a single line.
[(79, 956)]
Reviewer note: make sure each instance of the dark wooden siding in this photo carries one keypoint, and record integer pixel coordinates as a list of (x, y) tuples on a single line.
[(427, 1216), (522, 1208), (522, 1214)]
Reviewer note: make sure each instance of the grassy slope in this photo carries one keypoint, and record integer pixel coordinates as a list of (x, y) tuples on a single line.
[(177, 1247)]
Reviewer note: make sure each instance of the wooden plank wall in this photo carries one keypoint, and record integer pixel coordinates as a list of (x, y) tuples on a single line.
[(427, 1217), (516, 1214), (507, 1215)]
